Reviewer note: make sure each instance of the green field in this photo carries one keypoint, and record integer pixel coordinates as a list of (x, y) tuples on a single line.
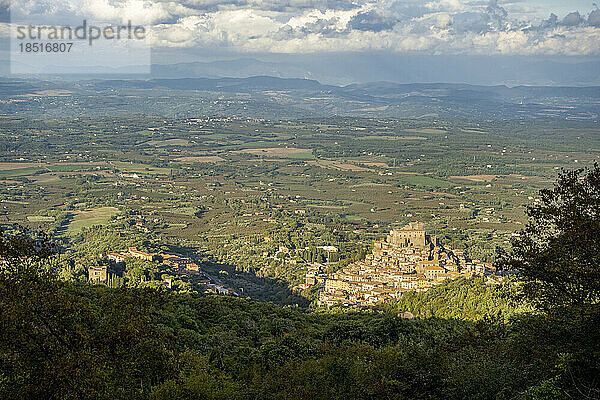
[(301, 156), (86, 219), (130, 167), (39, 218), (20, 172), (49, 168)]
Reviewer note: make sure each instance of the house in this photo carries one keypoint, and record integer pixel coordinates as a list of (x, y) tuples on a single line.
[(423, 265), (422, 284), (406, 315), (98, 274), (192, 267), (141, 255), (117, 257), (442, 277), (452, 267), (432, 272), (168, 281), (179, 263), (489, 269), (332, 285)]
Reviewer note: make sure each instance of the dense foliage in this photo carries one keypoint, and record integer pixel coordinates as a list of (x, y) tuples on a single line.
[(470, 299), (68, 340), (64, 339), (559, 252)]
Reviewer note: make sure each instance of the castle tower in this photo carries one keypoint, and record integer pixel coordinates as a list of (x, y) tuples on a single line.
[(412, 235)]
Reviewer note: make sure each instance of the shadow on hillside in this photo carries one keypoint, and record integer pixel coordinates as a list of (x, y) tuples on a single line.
[(245, 284)]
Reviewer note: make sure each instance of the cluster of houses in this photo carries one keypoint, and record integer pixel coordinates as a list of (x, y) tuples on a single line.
[(100, 273), (408, 260), (177, 263)]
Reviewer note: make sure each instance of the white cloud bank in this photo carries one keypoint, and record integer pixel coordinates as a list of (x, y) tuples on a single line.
[(307, 26)]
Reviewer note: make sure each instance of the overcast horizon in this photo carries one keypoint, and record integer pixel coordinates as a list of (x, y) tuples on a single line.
[(342, 41)]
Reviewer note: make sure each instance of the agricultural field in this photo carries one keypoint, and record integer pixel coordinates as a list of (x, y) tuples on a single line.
[(88, 218), (218, 187)]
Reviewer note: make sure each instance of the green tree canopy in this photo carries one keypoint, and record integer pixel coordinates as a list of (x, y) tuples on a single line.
[(559, 251)]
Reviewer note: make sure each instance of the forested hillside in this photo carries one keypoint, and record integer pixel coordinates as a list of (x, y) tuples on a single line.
[(470, 299), (69, 340)]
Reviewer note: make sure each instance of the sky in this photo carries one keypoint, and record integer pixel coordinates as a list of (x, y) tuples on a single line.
[(559, 6), (399, 28), (471, 27)]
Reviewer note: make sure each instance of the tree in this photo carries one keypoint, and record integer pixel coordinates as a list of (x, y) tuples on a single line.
[(558, 253), (61, 339), (18, 243)]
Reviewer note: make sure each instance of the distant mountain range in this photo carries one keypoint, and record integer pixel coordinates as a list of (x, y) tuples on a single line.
[(373, 89), (255, 83), (275, 97), (348, 68), (343, 69)]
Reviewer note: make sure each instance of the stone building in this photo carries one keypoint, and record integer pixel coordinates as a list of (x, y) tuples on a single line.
[(412, 235), (98, 274)]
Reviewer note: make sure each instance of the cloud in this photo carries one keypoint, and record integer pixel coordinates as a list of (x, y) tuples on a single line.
[(572, 19), (445, 5), (470, 22), (496, 14), (304, 26), (594, 18), (372, 20), (551, 22)]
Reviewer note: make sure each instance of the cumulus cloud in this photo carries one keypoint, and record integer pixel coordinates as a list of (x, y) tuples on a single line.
[(551, 22), (414, 26), (446, 5), (572, 19), (496, 14), (372, 20), (594, 18)]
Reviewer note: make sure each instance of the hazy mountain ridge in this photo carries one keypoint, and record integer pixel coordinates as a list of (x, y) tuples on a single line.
[(275, 97), (343, 69)]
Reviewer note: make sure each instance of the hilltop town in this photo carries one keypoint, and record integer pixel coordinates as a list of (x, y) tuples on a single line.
[(408, 259)]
